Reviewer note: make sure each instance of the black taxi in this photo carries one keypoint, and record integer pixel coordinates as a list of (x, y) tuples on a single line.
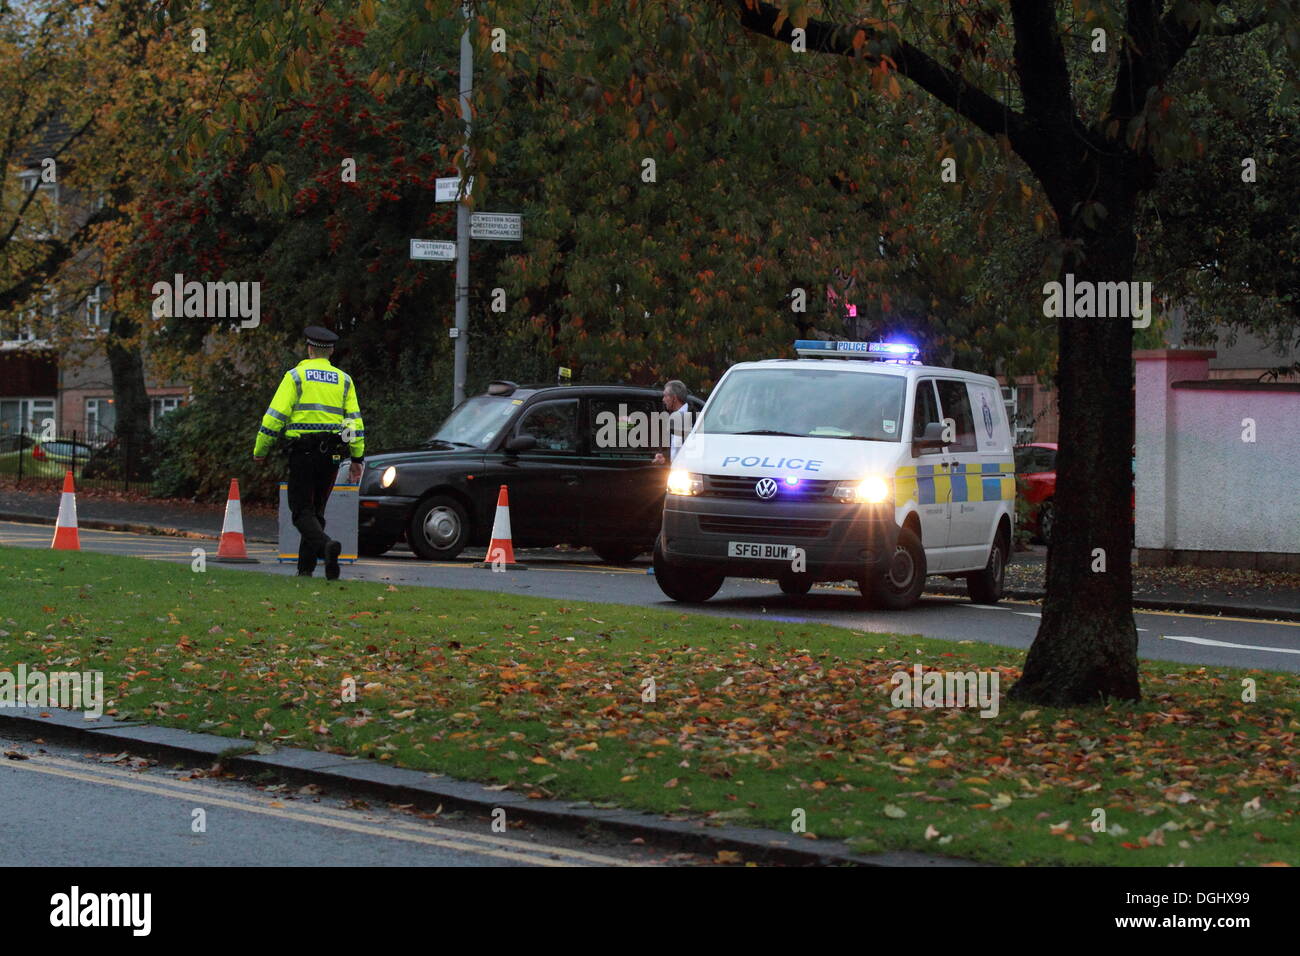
[(578, 462)]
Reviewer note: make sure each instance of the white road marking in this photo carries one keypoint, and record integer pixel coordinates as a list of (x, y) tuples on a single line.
[(1243, 647)]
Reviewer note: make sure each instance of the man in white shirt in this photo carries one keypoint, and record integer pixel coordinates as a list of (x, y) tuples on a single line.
[(679, 419)]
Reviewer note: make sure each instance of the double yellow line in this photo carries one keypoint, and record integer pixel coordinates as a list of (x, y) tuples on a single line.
[(481, 844)]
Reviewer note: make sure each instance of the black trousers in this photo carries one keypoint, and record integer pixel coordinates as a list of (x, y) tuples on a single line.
[(313, 466)]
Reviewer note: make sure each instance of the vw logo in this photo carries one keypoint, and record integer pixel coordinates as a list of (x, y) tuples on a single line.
[(766, 488)]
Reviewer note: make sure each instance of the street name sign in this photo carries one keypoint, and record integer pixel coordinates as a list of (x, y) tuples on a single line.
[(496, 225), (448, 189), (432, 249)]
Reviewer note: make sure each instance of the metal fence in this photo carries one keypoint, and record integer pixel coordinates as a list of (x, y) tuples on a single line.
[(96, 458)]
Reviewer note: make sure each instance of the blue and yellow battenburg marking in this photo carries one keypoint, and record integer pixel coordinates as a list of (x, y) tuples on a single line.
[(930, 484)]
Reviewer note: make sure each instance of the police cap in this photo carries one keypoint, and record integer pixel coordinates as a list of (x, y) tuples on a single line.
[(321, 337)]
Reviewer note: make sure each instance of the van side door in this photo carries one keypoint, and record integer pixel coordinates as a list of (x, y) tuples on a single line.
[(971, 526), (924, 478)]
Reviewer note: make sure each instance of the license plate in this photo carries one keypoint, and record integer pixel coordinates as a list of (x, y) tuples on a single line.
[(771, 552)]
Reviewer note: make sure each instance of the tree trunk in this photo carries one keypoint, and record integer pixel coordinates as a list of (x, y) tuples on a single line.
[(1086, 647), (131, 400)]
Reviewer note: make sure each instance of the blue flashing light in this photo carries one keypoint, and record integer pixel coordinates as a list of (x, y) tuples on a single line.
[(792, 480), (818, 348)]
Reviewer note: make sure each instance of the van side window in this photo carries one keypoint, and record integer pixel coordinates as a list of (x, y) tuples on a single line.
[(956, 405), (927, 411)]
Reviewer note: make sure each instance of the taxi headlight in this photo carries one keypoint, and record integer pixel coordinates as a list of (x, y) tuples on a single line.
[(389, 476), (684, 483), (871, 490)]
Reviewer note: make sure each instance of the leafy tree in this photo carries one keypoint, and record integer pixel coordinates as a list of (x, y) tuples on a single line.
[(1230, 249), (1093, 129)]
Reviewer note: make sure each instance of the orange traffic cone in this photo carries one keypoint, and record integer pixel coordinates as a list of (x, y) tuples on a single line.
[(232, 549), (65, 528), (501, 552)]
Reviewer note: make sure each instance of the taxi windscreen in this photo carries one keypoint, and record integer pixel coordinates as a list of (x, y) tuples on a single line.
[(808, 403), (477, 421)]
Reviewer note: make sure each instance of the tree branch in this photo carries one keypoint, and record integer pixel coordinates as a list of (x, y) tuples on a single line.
[(945, 85), (1242, 26)]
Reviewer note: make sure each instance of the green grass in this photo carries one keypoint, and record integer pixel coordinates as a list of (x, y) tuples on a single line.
[(753, 720)]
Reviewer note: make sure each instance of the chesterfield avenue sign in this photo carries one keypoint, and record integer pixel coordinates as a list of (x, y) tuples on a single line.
[(432, 249)]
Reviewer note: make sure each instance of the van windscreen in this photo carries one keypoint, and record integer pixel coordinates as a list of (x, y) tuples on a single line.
[(808, 403)]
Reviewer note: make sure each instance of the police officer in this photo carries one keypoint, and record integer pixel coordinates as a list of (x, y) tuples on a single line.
[(315, 409)]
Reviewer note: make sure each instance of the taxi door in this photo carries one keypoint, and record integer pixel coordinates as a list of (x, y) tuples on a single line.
[(545, 481), (925, 478), (623, 488)]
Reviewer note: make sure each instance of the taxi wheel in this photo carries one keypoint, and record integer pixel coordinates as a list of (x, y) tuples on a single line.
[(439, 528), (899, 586), (985, 587), (795, 584), (684, 584), (615, 552)]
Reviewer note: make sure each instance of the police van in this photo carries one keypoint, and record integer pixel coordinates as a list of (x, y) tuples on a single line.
[(872, 468)]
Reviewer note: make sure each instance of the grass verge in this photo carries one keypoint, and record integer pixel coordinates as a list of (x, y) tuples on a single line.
[(753, 722)]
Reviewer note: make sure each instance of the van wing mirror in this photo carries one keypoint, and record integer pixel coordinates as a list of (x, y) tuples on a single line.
[(522, 442), (932, 437)]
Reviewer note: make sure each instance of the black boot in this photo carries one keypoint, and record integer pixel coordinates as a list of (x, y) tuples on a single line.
[(332, 560)]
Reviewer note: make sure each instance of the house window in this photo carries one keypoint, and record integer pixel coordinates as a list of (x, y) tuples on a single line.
[(94, 300), (25, 414), (42, 214), (1019, 403), (101, 417), (20, 329), (159, 407)]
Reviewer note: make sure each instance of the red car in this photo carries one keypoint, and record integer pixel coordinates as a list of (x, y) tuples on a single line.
[(1036, 469)]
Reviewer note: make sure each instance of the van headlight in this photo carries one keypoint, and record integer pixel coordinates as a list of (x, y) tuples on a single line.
[(872, 490), (389, 476), (684, 483)]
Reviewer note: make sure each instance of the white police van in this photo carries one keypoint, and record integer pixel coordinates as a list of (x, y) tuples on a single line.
[(874, 468)]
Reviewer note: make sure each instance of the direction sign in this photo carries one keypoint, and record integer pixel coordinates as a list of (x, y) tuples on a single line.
[(496, 225), (448, 188), (431, 249)]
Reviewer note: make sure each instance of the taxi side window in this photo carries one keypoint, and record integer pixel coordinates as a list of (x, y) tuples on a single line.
[(956, 405), (927, 411), (626, 428), (553, 424)]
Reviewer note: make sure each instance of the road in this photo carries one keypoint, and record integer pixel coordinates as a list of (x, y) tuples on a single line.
[(115, 810), (1183, 638)]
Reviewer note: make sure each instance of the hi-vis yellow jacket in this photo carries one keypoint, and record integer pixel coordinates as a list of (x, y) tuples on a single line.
[(314, 398)]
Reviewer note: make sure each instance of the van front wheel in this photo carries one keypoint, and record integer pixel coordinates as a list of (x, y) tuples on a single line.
[(899, 586), (683, 584)]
